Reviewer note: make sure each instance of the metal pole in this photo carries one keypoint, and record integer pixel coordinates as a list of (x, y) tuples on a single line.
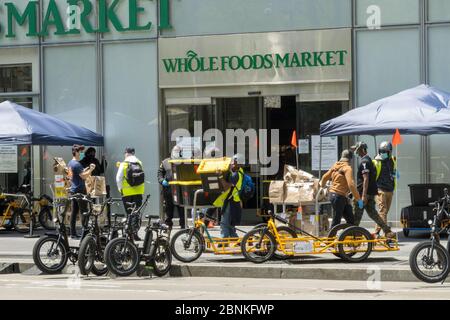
[(375, 144), (320, 158)]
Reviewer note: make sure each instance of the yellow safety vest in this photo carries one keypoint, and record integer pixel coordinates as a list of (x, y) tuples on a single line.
[(128, 190), (377, 165), (219, 202)]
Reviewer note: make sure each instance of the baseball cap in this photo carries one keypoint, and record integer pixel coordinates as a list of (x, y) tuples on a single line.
[(129, 150), (359, 145)]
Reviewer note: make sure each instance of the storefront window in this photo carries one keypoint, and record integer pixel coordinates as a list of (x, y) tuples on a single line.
[(183, 117), (386, 12), (439, 69), (17, 79)]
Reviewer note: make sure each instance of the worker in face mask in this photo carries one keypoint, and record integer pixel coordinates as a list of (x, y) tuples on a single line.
[(386, 175)]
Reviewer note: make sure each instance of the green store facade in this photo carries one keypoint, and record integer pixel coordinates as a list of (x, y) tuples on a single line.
[(135, 70)]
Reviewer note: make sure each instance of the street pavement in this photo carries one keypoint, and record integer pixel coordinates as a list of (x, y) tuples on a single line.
[(68, 287)]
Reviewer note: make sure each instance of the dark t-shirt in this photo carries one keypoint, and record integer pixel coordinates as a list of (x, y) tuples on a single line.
[(77, 183), (366, 166), (385, 181)]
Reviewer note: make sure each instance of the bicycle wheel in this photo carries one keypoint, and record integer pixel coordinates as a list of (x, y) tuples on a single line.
[(429, 264), (187, 248), (46, 218), (336, 232), (121, 257), (86, 255), (285, 232), (49, 255), (21, 219), (355, 247), (162, 258), (258, 245)]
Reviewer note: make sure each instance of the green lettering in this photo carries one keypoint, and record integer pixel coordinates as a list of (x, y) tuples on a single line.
[(330, 56), (135, 10), (341, 53), (283, 60), (84, 16), (295, 62), (170, 64), (52, 17), (318, 59), (223, 60), (268, 61), (164, 15), (108, 14), (29, 14), (212, 63), (306, 59)]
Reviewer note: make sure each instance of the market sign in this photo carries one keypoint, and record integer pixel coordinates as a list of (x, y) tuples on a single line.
[(71, 16), (277, 57)]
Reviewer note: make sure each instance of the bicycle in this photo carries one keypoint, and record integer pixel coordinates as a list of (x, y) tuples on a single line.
[(189, 244), (52, 251), (123, 255), (92, 247), (429, 260), (353, 244)]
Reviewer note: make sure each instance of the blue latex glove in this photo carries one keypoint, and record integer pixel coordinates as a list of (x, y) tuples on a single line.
[(360, 204), (165, 183)]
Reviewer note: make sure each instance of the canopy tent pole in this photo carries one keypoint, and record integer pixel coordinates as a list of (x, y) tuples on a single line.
[(320, 158), (375, 143)]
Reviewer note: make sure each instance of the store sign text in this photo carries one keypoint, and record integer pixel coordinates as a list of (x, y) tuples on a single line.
[(194, 63), (76, 16)]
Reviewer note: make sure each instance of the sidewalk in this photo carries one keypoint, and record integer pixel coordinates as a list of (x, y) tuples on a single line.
[(16, 256)]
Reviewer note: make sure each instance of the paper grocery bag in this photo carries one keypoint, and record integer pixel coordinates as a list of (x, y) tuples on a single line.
[(96, 186), (276, 191), (292, 193), (307, 192)]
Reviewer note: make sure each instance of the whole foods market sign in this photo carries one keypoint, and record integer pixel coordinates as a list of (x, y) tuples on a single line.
[(278, 57), (73, 16)]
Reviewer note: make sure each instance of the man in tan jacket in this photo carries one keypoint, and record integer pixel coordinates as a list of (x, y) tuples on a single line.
[(342, 183)]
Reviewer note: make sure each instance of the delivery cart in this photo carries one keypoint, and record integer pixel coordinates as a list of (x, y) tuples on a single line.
[(350, 243)]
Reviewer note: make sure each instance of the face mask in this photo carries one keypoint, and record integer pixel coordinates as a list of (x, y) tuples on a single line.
[(81, 155), (384, 156)]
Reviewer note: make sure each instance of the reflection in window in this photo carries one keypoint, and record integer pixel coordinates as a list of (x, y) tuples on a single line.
[(16, 78)]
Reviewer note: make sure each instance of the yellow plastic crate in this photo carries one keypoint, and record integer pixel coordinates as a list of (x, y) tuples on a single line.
[(214, 165)]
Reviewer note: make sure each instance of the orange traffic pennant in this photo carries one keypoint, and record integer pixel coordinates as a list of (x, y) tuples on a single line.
[(294, 139), (397, 138), (24, 151)]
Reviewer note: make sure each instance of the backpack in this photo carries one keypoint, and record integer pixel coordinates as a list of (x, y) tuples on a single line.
[(247, 189), (135, 175)]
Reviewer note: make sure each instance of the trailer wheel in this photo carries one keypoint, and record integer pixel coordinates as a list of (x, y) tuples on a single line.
[(356, 247)]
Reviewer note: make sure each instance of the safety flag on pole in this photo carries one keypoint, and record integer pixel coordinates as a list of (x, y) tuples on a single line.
[(397, 138), (294, 139)]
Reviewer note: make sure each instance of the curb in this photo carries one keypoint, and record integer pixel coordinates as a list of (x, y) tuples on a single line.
[(369, 273), (288, 272)]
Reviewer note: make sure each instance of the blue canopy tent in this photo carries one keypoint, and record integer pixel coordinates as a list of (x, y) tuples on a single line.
[(422, 110), (24, 126)]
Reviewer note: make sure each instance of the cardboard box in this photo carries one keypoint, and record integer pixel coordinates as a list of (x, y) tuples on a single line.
[(276, 191)]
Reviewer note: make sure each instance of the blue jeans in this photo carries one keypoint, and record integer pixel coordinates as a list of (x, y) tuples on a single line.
[(341, 208), (228, 223)]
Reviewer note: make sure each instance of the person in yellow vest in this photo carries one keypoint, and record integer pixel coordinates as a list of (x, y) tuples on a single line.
[(130, 181), (386, 174), (229, 200)]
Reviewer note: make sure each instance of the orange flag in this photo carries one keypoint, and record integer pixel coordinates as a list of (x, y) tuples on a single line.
[(24, 151), (397, 138), (294, 139)]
